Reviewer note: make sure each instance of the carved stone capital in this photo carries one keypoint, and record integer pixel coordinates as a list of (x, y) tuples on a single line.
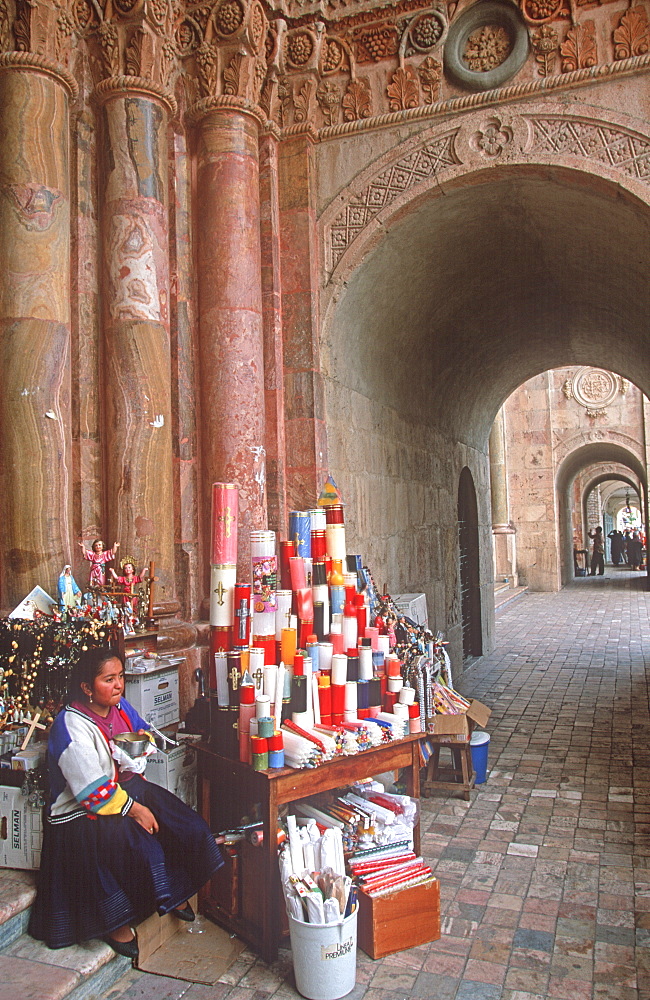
[(123, 86), (39, 64), (225, 102)]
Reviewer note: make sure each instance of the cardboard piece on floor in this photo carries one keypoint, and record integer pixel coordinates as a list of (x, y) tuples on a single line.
[(171, 947)]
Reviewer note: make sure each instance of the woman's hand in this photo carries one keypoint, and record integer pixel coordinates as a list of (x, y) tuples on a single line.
[(144, 817)]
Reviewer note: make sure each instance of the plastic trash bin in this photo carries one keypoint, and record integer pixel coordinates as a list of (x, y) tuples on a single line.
[(324, 957), (479, 745)]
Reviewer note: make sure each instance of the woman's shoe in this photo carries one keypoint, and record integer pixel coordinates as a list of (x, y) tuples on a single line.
[(187, 913), (127, 948)]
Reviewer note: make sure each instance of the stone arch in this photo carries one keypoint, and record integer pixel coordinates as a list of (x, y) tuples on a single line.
[(468, 544), (446, 156), (597, 455)]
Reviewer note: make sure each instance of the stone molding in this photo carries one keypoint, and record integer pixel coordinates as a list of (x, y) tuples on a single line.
[(227, 102), (124, 86), (39, 64), (535, 135)]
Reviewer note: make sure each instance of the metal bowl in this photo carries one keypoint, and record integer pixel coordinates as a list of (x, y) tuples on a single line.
[(133, 744)]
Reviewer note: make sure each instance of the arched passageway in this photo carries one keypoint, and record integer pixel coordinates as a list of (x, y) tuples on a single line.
[(470, 289), (470, 591)]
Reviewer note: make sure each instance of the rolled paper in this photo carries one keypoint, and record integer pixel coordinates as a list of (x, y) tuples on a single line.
[(415, 725), (276, 741), (401, 711), (287, 549), (263, 571), (349, 631), (319, 612), (337, 599), (222, 592), (317, 519), (318, 544), (262, 706), (225, 511), (325, 652), (353, 665), (407, 696), (300, 531), (261, 761), (351, 697), (365, 663), (288, 646), (266, 726), (275, 758), (335, 540), (318, 574), (221, 675), (298, 694), (253, 727), (395, 684), (284, 601), (338, 699), (334, 514), (389, 701), (339, 668)]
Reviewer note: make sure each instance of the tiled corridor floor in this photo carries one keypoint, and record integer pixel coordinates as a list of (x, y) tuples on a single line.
[(545, 877)]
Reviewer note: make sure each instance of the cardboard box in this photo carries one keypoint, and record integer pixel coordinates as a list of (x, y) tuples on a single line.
[(414, 606), (30, 757), (399, 920), (458, 728), (21, 830), (155, 695), (175, 769)]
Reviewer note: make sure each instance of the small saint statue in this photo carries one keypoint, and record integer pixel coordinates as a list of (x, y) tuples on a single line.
[(98, 556), (68, 590)]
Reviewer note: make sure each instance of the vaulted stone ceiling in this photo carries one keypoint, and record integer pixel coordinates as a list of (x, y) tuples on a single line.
[(480, 287)]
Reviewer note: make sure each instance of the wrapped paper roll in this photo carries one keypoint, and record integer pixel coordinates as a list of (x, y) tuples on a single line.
[(372, 633), (317, 519), (365, 663), (298, 573), (401, 711), (287, 549), (351, 697), (325, 652), (395, 684), (262, 706), (407, 696), (221, 676), (256, 667)]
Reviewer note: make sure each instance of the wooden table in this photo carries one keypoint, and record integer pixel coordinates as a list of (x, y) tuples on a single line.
[(231, 788)]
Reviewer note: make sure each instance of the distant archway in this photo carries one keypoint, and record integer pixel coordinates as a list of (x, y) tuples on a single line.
[(468, 543)]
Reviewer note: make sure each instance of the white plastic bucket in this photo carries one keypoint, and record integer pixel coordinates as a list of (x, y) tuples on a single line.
[(324, 957)]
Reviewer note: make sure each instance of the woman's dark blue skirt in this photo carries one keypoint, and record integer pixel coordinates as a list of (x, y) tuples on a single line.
[(98, 874)]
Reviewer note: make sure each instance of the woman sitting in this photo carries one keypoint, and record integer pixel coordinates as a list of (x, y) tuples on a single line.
[(116, 848)]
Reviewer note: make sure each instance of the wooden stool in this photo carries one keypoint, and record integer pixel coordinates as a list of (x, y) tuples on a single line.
[(458, 773)]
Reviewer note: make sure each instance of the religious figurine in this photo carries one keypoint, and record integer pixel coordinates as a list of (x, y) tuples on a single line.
[(98, 557), (68, 590), (128, 580)]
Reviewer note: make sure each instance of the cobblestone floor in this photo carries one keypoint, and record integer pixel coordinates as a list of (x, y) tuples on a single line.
[(545, 880)]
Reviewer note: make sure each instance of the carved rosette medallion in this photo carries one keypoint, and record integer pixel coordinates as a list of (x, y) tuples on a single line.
[(492, 138), (595, 389)]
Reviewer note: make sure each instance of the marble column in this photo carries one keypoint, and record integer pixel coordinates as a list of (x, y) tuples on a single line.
[(231, 349), (136, 374), (35, 436), (272, 326), (505, 563)]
